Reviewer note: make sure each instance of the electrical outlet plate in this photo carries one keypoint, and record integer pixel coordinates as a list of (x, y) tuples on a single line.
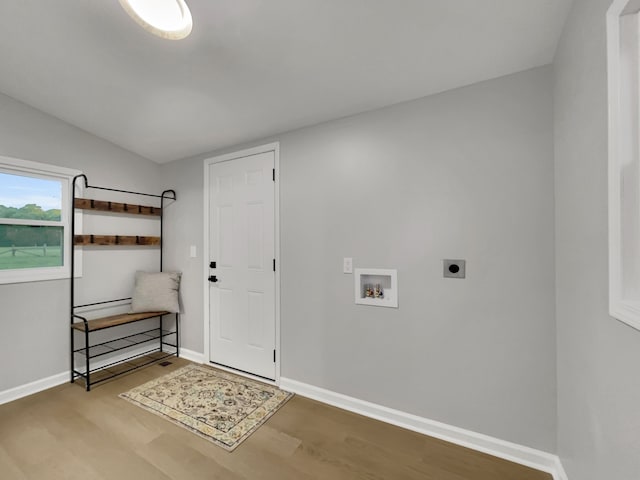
[(454, 268), (347, 265)]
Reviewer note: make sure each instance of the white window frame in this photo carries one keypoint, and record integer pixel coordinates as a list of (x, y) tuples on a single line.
[(623, 52), (20, 167)]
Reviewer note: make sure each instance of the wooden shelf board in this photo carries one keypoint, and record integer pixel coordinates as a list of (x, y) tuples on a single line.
[(115, 240), (104, 206), (115, 320)]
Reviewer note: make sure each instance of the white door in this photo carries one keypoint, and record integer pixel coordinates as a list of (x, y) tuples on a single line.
[(242, 279)]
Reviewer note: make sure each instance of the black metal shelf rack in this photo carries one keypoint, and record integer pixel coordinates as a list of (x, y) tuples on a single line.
[(157, 338)]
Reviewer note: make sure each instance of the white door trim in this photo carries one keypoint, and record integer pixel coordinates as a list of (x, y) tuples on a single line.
[(270, 147)]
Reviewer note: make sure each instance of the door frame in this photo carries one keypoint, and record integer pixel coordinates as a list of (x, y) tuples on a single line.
[(270, 147)]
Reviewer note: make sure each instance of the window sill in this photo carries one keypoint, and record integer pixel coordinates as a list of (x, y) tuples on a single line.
[(30, 275)]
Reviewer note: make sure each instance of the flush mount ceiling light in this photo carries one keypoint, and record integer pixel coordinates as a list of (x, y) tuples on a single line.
[(169, 19)]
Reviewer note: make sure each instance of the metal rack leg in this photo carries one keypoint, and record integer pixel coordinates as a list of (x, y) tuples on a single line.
[(86, 350), (72, 358), (177, 335), (160, 332)]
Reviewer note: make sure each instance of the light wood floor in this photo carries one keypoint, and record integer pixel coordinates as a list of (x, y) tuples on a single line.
[(66, 433)]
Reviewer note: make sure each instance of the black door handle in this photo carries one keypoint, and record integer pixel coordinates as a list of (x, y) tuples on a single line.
[(213, 279)]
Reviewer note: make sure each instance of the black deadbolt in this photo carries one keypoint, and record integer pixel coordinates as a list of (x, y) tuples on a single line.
[(453, 268), (212, 264)]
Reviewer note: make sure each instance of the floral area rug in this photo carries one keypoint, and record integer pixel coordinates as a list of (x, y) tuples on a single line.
[(216, 405)]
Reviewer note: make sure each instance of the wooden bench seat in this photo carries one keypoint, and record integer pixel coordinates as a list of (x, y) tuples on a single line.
[(115, 320)]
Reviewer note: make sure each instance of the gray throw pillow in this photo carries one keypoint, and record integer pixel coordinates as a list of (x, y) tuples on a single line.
[(156, 292)]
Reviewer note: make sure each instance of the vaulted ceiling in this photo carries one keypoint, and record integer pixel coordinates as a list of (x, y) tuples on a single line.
[(253, 68)]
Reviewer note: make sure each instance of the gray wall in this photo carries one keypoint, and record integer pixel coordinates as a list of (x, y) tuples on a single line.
[(465, 174), (185, 229), (598, 356), (34, 343)]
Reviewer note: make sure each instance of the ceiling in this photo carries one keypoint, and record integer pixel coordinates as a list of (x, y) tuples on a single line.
[(253, 68)]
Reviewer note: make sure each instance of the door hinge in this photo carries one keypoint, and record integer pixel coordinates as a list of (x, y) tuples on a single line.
[(274, 356), (274, 264), (274, 174)]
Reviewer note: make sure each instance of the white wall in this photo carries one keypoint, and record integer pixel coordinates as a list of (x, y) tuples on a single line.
[(598, 356), (34, 343), (464, 174)]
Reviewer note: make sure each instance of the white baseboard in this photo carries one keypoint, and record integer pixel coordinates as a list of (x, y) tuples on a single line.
[(33, 387), (192, 356), (60, 378), (560, 473), (527, 456)]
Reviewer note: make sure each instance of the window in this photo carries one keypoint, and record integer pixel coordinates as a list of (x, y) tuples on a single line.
[(34, 221)]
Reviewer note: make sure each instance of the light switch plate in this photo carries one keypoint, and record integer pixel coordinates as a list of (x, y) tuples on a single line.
[(454, 268), (192, 251), (347, 265)]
